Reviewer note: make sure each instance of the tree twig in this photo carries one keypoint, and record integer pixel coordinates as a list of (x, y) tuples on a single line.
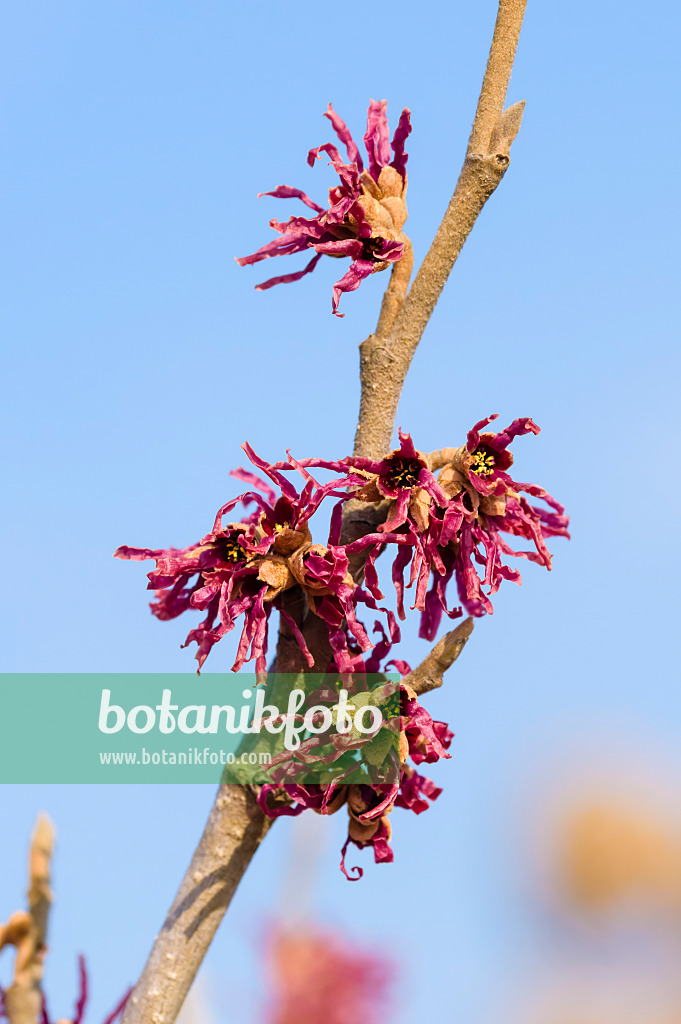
[(27, 931), (385, 359), (428, 675), (234, 830), (396, 290)]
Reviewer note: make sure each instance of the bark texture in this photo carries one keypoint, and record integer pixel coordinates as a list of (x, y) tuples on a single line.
[(233, 833)]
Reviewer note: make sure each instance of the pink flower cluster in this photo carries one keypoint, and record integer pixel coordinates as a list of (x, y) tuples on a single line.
[(445, 516), (369, 805), (443, 524), (319, 976)]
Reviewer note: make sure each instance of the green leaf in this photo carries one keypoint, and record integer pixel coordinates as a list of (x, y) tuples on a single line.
[(378, 749)]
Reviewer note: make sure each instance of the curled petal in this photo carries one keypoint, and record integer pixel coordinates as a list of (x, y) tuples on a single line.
[(520, 426), (284, 246), (376, 137), (389, 251), (278, 478), (83, 992), (474, 435), (413, 788), (341, 247), (246, 477), (359, 871), (330, 150), (289, 278), (350, 281), (343, 133), (279, 810), (287, 192), (399, 138), (300, 639), (137, 554), (118, 1009)]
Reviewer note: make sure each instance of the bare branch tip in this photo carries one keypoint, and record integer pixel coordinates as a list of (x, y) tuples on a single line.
[(453, 643), (44, 833), (506, 129), (428, 675), (462, 631)]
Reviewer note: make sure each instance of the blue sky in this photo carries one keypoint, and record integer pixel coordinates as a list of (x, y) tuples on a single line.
[(138, 358)]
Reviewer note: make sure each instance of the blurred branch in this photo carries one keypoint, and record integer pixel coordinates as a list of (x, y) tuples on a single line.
[(27, 931)]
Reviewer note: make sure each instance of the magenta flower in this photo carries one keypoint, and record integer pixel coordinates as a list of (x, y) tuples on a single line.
[(405, 479), (369, 806), (366, 211), (369, 825), (415, 791), (421, 739), (428, 739), (484, 502), (222, 576), (240, 569)]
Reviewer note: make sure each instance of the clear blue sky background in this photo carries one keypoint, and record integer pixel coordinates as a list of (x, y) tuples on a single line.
[(138, 357)]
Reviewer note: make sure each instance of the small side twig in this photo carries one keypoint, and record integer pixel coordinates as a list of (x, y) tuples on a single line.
[(428, 675), (27, 932), (396, 290)]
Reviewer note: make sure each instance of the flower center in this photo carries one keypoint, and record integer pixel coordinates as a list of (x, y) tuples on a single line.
[(371, 248), (229, 549), (404, 473), (482, 462)]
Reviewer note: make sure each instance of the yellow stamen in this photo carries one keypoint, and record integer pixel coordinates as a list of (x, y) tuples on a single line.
[(230, 550), (404, 473), (482, 463)]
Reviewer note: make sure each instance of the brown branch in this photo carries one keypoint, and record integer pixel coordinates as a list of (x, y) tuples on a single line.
[(396, 290), (27, 931), (385, 359), (234, 831), (428, 675), (236, 824)]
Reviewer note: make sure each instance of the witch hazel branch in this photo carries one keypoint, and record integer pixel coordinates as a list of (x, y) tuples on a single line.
[(431, 535)]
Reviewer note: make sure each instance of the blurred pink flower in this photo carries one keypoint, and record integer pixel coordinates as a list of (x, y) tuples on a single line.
[(319, 977)]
